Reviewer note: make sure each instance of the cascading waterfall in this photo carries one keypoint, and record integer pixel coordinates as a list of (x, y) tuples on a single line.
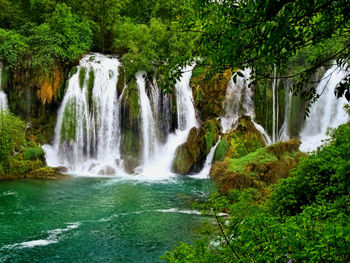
[(327, 111), (3, 97), (148, 124), (160, 166), (238, 102), (87, 133)]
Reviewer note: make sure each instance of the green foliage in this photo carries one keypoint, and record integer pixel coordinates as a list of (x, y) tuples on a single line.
[(305, 219), (12, 47), (33, 153), (322, 177), (260, 156), (221, 151), (265, 34), (132, 97), (12, 135)]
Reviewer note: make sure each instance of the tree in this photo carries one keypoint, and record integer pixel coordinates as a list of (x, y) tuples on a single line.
[(263, 34)]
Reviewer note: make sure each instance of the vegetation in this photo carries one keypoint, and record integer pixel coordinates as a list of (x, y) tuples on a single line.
[(305, 218), (18, 154)]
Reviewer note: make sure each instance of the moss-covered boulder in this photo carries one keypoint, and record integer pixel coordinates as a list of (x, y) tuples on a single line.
[(238, 143), (209, 91), (183, 161), (257, 169), (190, 156)]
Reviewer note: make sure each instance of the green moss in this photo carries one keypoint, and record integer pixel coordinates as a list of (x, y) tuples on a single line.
[(69, 122), (74, 70), (91, 82), (221, 151), (33, 153), (211, 135), (260, 156), (132, 99), (121, 80), (82, 74), (92, 58), (183, 160)]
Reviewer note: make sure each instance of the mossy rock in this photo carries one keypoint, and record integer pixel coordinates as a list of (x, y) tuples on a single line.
[(221, 151), (183, 160), (238, 143), (258, 169), (192, 144), (198, 145), (209, 91), (46, 173), (131, 100)]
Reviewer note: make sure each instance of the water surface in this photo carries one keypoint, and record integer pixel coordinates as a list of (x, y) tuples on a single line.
[(83, 219)]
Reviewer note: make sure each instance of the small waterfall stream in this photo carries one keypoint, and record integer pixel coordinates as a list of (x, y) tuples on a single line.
[(3, 97), (148, 124), (327, 111), (238, 102)]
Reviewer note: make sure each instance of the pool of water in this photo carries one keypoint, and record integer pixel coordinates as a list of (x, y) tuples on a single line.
[(83, 219)]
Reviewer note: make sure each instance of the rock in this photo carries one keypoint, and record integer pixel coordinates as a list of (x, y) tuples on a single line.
[(257, 169), (45, 173), (130, 164), (240, 142), (108, 170), (183, 160), (62, 169), (190, 156)]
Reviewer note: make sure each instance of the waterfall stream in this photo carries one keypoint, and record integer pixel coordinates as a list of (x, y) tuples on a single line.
[(3, 97), (238, 102), (160, 166), (327, 111)]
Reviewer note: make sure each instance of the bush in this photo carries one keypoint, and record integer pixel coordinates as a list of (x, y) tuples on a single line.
[(33, 153), (12, 135), (324, 176)]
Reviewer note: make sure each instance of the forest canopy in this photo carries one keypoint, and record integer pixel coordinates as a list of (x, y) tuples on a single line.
[(294, 37)]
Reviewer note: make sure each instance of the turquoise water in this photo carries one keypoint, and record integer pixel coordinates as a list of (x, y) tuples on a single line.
[(97, 219)]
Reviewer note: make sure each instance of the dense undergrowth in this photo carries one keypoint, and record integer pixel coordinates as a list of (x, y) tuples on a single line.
[(306, 218), (20, 155)]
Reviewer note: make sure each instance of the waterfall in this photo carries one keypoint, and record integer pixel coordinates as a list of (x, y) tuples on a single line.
[(284, 133), (238, 102), (148, 124), (186, 113), (87, 133), (207, 164), (274, 110), (3, 97), (160, 166), (326, 112)]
